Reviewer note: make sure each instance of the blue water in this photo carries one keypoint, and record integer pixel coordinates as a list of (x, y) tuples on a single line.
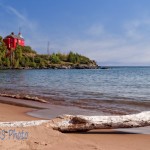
[(119, 84)]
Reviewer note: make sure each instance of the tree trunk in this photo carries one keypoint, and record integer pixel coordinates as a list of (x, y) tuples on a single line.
[(69, 123)]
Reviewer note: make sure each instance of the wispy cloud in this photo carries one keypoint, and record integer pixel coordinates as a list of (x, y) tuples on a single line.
[(130, 48), (18, 16), (137, 28), (96, 30), (23, 20), (30, 28)]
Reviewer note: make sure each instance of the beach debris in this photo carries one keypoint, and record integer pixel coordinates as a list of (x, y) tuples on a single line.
[(71, 123), (26, 97), (76, 123), (23, 123), (35, 98)]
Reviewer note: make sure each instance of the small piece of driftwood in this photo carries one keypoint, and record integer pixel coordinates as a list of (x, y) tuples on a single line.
[(70, 123), (23, 123)]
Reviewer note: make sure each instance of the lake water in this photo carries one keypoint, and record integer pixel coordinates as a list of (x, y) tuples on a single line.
[(116, 90)]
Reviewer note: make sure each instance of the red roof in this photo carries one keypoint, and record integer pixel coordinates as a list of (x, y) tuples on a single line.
[(15, 36)]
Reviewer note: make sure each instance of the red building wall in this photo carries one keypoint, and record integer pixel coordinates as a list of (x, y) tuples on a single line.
[(12, 42)]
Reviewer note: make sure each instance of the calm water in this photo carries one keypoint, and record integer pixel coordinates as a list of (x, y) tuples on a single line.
[(124, 88)]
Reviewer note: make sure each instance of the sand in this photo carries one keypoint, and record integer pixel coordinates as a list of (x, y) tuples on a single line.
[(14, 113), (43, 137)]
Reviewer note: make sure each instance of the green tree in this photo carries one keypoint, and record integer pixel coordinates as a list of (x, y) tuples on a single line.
[(27, 61), (42, 64), (71, 57), (16, 63), (8, 62), (37, 59), (62, 57), (54, 59), (32, 64), (22, 61), (18, 52), (3, 50), (28, 49)]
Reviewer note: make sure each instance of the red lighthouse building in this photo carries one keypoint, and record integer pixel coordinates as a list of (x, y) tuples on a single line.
[(12, 41)]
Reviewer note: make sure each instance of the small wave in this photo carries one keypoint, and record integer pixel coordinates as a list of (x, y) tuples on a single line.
[(26, 97), (113, 106)]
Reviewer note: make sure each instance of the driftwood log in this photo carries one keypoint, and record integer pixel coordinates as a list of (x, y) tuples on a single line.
[(70, 123)]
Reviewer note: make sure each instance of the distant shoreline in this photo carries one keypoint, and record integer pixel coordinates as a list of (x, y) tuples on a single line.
[(56, 66)]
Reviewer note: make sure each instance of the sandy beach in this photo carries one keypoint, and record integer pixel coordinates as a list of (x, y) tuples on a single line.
[(45, 138)]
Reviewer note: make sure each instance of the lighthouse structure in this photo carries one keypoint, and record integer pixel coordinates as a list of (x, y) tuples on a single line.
[(11, 41)]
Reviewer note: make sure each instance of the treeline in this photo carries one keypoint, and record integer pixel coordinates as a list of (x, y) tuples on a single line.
[(26, 57)]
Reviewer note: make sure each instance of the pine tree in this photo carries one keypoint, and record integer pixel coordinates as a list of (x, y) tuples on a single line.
[(3, 50)]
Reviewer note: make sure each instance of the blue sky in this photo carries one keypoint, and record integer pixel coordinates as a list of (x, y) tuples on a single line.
[(112, 32)]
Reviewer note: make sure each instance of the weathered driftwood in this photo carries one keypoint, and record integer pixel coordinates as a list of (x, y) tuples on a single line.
[(23, 123), (69, 123)]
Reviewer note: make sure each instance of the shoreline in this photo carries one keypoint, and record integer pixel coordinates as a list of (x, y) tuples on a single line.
[(104, 106), (39, 110), (48, 110), (78, 107), (44, 137)]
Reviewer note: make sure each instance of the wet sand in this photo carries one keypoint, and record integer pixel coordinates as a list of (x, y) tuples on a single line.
[(44, 137), (14, 113), (48, 110)]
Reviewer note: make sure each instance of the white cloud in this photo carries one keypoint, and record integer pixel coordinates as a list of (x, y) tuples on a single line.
[(130, 48), (24, 21), (137, 28), (96, 30)]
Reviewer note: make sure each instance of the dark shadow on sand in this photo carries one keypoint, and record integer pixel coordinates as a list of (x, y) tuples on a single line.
[(102, 132)]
